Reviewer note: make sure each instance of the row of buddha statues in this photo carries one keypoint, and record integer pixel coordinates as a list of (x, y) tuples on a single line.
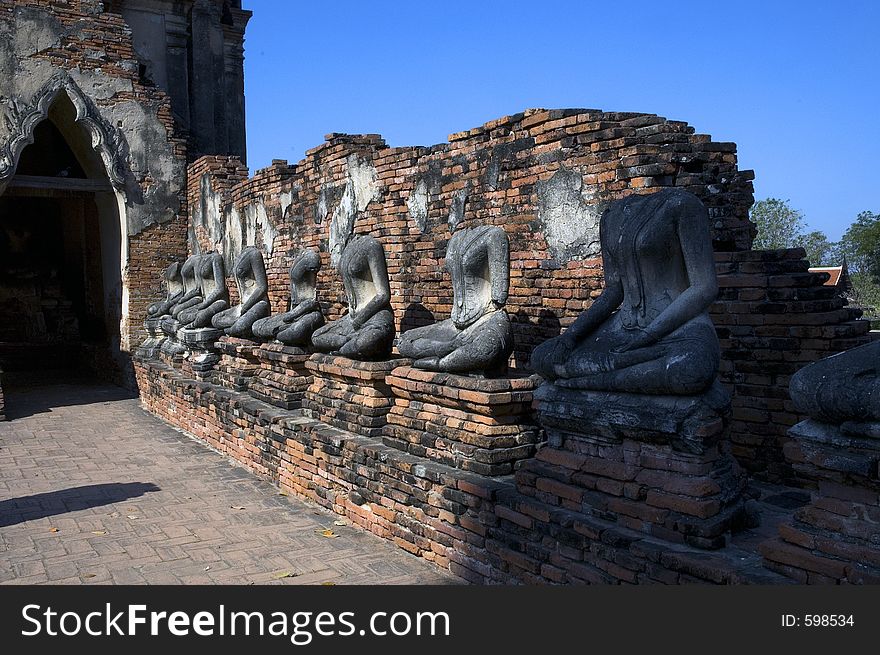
[(476, 339), (649, 331)]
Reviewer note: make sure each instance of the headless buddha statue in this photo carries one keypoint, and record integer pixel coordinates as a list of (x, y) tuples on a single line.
[(253, 292), (212, 291), (295, 327), (649, 331), (174, 292), (366, 331), (476, 338), (170, 321)]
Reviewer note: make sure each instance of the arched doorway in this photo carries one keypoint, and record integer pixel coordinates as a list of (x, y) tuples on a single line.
[(61, 252)]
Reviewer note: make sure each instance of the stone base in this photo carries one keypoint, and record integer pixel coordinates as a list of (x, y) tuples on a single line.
[(476, 424), (152, 345), (350, 394), (282, 378), (2, 400), (653, 464), (201, 356), (237, 364), (836, 537)]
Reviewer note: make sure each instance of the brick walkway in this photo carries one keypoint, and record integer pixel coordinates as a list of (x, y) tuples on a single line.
[(95, 490)]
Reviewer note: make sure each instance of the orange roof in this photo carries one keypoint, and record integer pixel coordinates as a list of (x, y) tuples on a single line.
[(834, 272)]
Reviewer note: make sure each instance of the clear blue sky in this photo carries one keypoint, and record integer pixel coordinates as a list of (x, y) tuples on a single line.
[(794, 84)]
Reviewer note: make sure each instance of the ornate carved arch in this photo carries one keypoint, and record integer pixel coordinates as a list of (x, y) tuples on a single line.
[(21, 121)]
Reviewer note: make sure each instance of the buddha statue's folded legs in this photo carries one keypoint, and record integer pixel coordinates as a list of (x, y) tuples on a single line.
[(236, 324), (482, 346), (287, 330), (371, 340), (684, 362), (843, 387)]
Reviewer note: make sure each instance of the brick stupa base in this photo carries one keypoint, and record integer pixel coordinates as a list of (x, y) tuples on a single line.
[(482, 425), (835, 539), (349, 394), (282, 378), (654, 464), (238, 363)]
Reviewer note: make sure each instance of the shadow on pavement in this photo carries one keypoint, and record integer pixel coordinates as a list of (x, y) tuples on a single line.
[(38, 392), (53, 503)]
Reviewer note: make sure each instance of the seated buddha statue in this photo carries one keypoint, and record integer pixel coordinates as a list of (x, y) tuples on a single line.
[(253, 293), (212, 291), (366, 331), (842, 388), (174, 292), (649, 331), (476, 338), (295, 326), (191, 297)]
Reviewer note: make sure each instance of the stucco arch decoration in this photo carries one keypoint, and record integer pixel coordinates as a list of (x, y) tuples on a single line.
[(21, 121)]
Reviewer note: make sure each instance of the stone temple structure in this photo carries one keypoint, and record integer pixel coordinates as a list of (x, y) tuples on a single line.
[(541, 352)]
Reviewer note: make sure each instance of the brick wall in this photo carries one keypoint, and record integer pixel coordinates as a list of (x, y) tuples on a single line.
[(499, 174), (480, 528), (772, 315)]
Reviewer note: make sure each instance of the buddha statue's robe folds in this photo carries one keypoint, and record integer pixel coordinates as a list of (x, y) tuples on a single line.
[(212, 291), (649, 331), (366, 331), (249, 271), (476, 339), (295, 326)]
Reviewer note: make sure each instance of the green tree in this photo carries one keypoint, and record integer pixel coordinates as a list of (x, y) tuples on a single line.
[(820, 251), (860, 246), (779, 226)]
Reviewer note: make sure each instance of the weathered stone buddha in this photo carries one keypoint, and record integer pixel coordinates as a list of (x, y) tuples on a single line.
[(477, 337), (212, 291), (366, 331), (191, 296), (253, 292), (649, 331), (843, 388), (174, 292), (295, 326)]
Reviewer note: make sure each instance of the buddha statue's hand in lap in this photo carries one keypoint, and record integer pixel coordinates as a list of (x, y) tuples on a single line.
[(476, 338), (367, 331), (253, 291), (295, 327), (649, 331)]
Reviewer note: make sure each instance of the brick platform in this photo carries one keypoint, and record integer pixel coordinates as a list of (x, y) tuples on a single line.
[(482, 425), (282, 378), (238, 362), (2, 399), (349, 394), (480, 528), (653, 464), (836, 538)]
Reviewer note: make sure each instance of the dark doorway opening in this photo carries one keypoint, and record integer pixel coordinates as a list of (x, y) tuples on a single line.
[(60, 255)]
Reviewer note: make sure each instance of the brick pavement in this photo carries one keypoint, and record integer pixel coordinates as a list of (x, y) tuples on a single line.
[(95, 490)]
